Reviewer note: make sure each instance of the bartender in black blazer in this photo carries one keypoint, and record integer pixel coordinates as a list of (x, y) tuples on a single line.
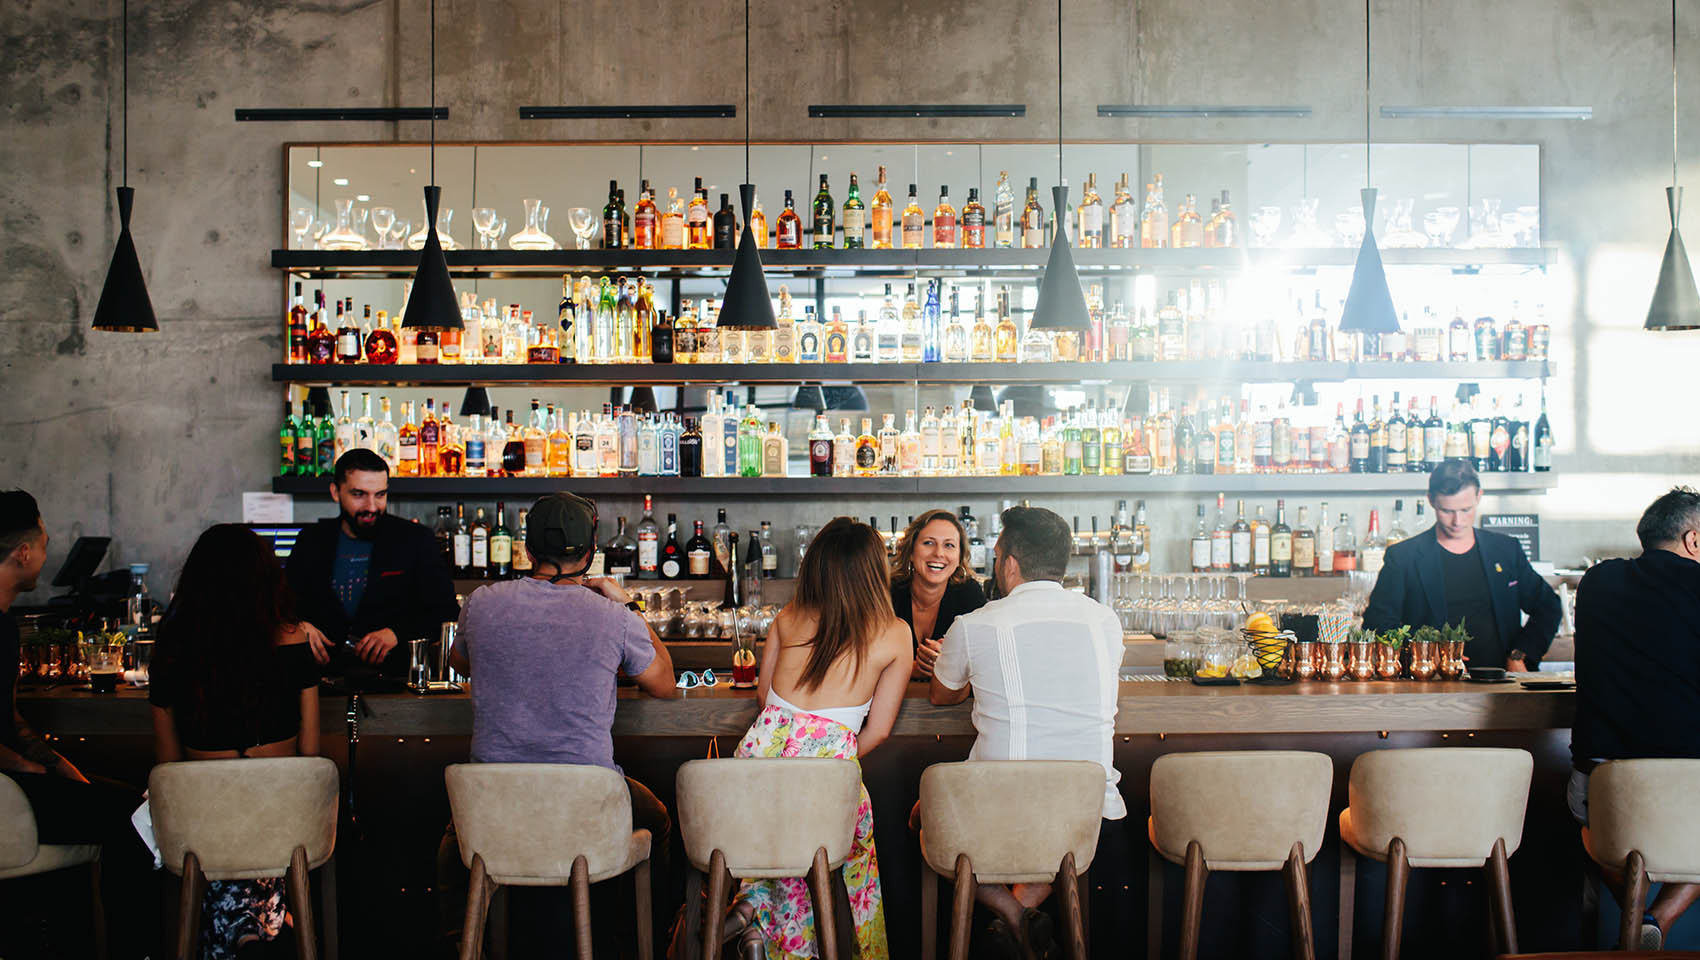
[(1454, 573), (932, 584), (365, 581)]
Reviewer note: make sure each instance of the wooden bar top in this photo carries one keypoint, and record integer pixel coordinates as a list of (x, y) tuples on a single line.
[(1145, 707)]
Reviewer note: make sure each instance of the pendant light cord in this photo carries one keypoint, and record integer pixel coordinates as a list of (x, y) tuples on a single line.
[(1673, 113), (1060, 94), (433, 93), (1366, 91), (747, 90), (125, 136)]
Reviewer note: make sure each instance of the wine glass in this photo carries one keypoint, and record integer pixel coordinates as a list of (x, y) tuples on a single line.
[(483, 218), (398, 232), (382, 219), (496, 232), (583, 224), (1265, 223), (301, 221)]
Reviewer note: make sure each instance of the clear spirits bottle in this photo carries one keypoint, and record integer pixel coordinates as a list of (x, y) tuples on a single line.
[(955, 332), (888, 446), (1003, 213), (890, 332)]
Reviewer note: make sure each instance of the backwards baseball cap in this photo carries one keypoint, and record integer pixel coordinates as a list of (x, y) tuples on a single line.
[(561, 525)]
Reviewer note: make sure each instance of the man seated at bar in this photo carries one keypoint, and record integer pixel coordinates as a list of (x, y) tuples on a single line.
[(1638, 666), (365, 581), (68, 808), (932, 584), (1453, 573), (1042, 663), (544, 653)]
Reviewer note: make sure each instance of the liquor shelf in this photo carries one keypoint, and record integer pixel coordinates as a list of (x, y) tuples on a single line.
[(332, 264), (1345, 484), (621, 374)]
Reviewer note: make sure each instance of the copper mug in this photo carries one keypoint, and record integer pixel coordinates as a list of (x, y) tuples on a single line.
[(1363, 659), (1451, 659), (1306, 659), (1387, 663), (1424, 654), (1333, 661)]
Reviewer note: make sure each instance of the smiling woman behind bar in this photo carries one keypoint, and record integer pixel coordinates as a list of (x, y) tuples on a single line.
[(931, 583)]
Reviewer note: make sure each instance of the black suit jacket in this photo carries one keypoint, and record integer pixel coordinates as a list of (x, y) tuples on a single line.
[(1412, 590), (408, 586), (958, 599)]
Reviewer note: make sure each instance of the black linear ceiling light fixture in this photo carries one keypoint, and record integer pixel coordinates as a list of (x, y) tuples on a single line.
[(1369, 304), (630, 111), (375, 114), (890, 111), (1158, 111), (431, 303), (1477, 112), (124, 305), (1061, 306), (747, 305), (1675, 304)]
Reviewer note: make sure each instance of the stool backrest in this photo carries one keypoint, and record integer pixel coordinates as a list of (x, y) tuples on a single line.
[(1246, 809), (531, 820), (1012, 816), (18, 843), (768, 815), (1650, 806), (1446, 803), (244, 818)]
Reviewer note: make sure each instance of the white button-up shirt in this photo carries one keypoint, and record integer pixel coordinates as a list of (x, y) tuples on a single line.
[(1044, 664)]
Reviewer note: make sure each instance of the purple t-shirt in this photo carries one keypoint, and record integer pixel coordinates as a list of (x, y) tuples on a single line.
[(543, 660)]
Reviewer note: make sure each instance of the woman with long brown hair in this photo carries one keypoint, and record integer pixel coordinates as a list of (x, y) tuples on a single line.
[(834, 671), (932, 584)]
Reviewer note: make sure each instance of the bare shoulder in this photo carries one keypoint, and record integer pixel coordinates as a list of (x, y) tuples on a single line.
[(894, 640)]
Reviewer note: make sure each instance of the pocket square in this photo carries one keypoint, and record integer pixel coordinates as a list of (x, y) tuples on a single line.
[(1512, 584)]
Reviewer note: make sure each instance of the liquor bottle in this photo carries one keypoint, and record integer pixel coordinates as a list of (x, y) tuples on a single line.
[(1240, 543), (672, 556), (855, 216), (1222, 539), (1374, 550), (1005, 335), (1280, 543), (1304, 548), (733, 598), (973, 221), (536, 441), (1003, 212), (1124, 218), (381, 343), (843, 450), (1260, 546), (887, 443), (909, 447), (347, 336), (1154, 218), (911, 336), (1340, 443), (932, 330), (620, 553), (286, 440), (1543, 438), (769, 555), (673, 222), (297, 325), (773, 452), (820, 448), (690, 449), (321, 339), (626, 427), (725, 224), (1324, 544), (1499, 439), (955, 332), (788, 229), (1396, 532), (479, 541), (1358, 449), (698, 220), (1091, 442), (521, 565), (837, 342), (1398, 437), (646, 221), (1515, 340), (1377, 439), (882, 215), (501, 546), (1434, 437), (648, 447), (823, 217), (1345, 545), (462, 543), (1090, 215), (1460, 340), (1202, 545), (613, 223), (758, 224), (1115, 453), (1188, 228), (430, 439), (888, 335), (1517, 451), (750, 443), (1032, 218), (914, 222), (861, 335), (648, 540), (699, 553), (867, 450), (944, 221), (723, 541)]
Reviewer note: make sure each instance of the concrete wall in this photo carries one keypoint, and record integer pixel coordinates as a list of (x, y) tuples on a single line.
[(150, 438)]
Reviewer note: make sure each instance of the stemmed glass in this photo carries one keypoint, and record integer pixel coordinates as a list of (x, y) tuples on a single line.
[(583, 224), (398, 230), (483, 220), (1397, 231), (1306, 234), (1265, 223), (382, 219), (301, 221)]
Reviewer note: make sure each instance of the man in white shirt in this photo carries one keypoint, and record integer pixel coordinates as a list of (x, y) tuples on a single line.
[(1043, 665)]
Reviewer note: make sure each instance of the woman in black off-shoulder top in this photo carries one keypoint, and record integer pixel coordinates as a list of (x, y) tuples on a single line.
[(932, 584)]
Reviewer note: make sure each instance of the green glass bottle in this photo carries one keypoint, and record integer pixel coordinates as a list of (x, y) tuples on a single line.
[(1073, 447), (823, 217), (749, 444), (324, 435), (613, 220), (286, 443), (855, 217)]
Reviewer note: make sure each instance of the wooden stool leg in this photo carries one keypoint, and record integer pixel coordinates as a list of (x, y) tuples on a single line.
[(1634, 901), (645, 911), (477, 911), (1192, 905), (498, 926), (1086, 910), (301, 905), (929, 912), (961, 907), (97, 909), (1499, 890), (826, 923), (1153, 904), (579, 881), (327, 906), (1298, 903), (1348, 899), (848, 945), (193, 888), (1393, 920), (714, 911), (1068, 890), (693, 914)]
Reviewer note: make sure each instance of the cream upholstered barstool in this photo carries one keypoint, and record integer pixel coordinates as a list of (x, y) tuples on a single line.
[(1434, 807), (1008, 821), (546, 825), (21, 855), (724, 839), (244, 820), (1644, 824), (1255, 810)]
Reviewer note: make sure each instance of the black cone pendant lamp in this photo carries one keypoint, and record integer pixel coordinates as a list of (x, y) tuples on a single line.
[(431, 303), (746, 305), (1675, 306), (1369, 304), (124, 305), (1062, 305)]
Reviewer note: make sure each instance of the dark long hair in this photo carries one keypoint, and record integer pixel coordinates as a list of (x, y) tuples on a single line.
[(218, 637), (843, 581)]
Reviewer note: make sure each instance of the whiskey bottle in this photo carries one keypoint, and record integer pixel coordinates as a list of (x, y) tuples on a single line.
[(699, 554), (1280, 543), (1003, 213), (646, 222), (788, 229), (407, 445), (1091, 215), (758, 224), (321, 340), (1304, 548), (823, 217), (673, 222), (620, 552), (882, 215), (843, 450), (1005, 335), (1032, 218), (855, 217), (347, 336), (698, 221), (479, 537), (973, 221), (613, 220), (725, 225), (867, 450), (501, 546), (521, 556), (1124, 218), (944, 221), (672, 563), (1202, 545), (1345, 545), (297, 326), (914, 222)]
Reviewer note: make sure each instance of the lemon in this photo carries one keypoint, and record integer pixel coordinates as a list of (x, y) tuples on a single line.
[(1260, 623)]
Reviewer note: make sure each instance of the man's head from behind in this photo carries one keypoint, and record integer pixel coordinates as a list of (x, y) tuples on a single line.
[(361, 486), (561, 533), (23, 540), (1034, 544), (1672, 523), (1454, 491)]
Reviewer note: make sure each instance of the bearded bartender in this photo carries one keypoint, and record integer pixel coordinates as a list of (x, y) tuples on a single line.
[(365, 581)]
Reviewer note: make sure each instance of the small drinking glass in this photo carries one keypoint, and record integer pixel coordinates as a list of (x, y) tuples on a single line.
[(358, 222), (398, 233), (301, 221), (1265, 223), (382, 219), (483, 219), (583, 224), (1447, 218)]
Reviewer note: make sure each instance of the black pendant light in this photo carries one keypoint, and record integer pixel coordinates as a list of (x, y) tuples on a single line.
[(1061, 306), (747, 305), (982, 399), (809, 397), (476, 401), (431, 303), (1369, 304), (1675, 306), (124, 305)]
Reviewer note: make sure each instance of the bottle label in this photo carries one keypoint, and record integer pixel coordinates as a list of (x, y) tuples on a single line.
[(463, 550), (854, 220), (1201, 553), (670, 568), (1281, 547), (480, 552), (699, 562), (1260, 550), (647, 550), (1240, 545), (769, 561), (1304, 553), (1372, 559), (1360, 446), (501, 550), (1221, 552)]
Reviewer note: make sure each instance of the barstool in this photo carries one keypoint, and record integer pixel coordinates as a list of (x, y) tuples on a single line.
[(546, 825), (1237, 811), (244, 820), (1008, 821), (1642, 824), (810, 837), (21, 855), (1434, 807)]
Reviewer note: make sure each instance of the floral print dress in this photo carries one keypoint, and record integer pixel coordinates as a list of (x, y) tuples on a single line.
[(783, 908)]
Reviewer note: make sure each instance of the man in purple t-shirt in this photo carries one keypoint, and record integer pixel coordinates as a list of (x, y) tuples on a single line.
[(544, 654)]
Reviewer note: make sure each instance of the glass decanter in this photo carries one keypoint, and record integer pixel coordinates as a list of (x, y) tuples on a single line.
[(444, 215), (343, 236), (1306, 234), (532, 237), (1398, 232)]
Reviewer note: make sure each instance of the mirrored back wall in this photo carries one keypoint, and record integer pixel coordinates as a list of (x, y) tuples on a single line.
[(1455, 195)]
